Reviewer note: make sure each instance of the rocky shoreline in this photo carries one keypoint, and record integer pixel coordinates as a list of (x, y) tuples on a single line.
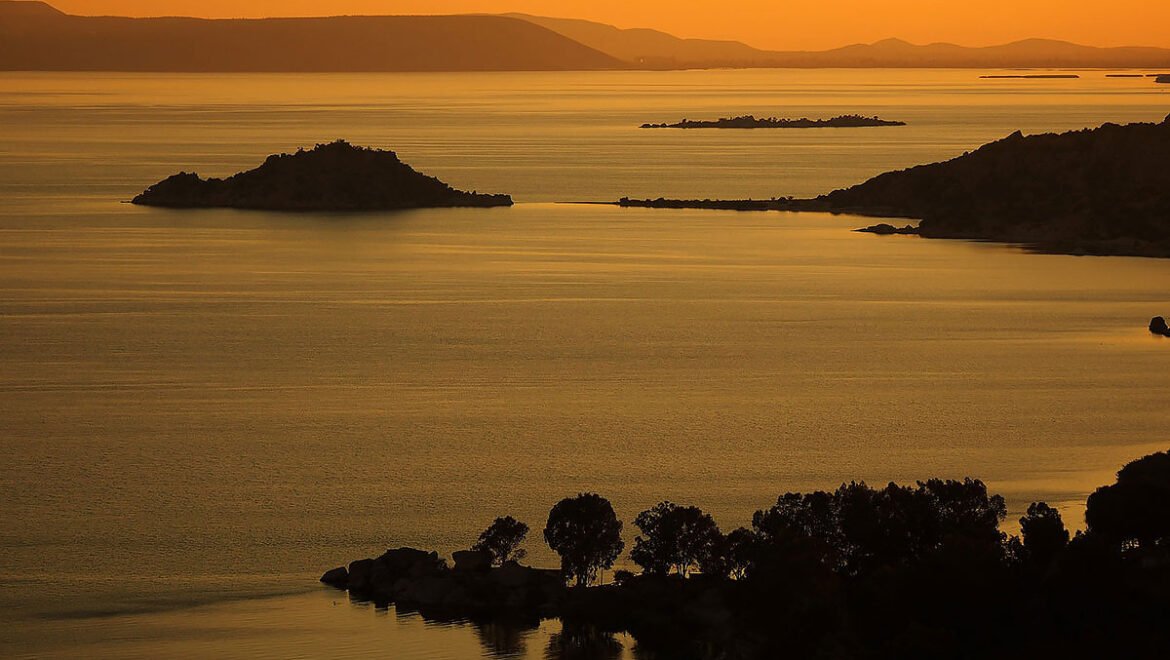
[(473, 588)]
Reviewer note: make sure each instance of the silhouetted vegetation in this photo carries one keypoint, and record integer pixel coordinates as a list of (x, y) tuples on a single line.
[(1133, 514), (750, 121), (858, 572), (1044, 536), (501, 541), (587, 534), (330, 177), (675, 538)]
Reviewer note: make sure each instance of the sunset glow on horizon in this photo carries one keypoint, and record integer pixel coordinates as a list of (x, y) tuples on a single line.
[(761, 23)]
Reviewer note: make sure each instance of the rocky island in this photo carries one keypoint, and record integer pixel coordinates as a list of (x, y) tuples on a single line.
[(1095, 191), (750, 121), (1039, 76), (330, 177), (914, 571)]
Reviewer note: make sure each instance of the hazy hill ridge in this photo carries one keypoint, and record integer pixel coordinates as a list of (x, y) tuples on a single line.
[(35, 36), (655, 49)]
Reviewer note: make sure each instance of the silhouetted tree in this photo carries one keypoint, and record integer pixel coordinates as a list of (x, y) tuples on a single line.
[(502, 540), (587, 535), (674, 537), (856, 529), (1135, 511), (1045, 536), (731, 555)]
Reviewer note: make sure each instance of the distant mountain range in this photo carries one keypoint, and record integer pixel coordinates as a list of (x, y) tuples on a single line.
[(654, 49), (35, 36)]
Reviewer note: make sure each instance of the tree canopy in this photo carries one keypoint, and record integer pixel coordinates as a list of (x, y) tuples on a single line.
[(675, 538), (586, 533), (502, 540), (1135, 511)]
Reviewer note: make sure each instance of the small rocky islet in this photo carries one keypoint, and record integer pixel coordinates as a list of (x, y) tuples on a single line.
[(330, 177), (751, 121)]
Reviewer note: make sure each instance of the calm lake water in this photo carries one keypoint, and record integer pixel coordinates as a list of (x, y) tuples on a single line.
[(202, 411)]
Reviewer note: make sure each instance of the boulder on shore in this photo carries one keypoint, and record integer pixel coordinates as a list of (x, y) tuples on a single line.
[(416, 579), (472, 561), (338, 577)]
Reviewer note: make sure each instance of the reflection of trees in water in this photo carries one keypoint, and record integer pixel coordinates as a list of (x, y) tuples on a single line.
[(503, 640), (583, 643)]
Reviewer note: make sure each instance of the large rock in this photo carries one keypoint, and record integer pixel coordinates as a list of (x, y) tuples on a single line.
[(472, 561), (512, 575), (427, 591), (1158, 326), (411, 562), (360, 572), (338, 577)]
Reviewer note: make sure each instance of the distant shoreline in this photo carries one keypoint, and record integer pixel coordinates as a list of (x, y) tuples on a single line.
[(752, 122), (1033, 75)]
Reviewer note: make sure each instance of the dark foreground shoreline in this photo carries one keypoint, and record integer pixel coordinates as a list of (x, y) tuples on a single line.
[(1103, 191), (894, 572)]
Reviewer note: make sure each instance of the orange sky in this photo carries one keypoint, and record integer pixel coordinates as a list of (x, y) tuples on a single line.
[(779, 24)]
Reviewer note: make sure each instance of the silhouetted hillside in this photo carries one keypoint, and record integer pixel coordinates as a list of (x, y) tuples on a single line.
[(655, 49), (1105, 190), (1027, 53), (652, 48), (1099, 191), (34, 36), (331, 177)]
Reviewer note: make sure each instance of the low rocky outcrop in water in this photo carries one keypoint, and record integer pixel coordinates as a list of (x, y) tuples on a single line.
[(1158, 326), (884, 229), (750, 121), (422, 581), (1096, 191), (330, 177)]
